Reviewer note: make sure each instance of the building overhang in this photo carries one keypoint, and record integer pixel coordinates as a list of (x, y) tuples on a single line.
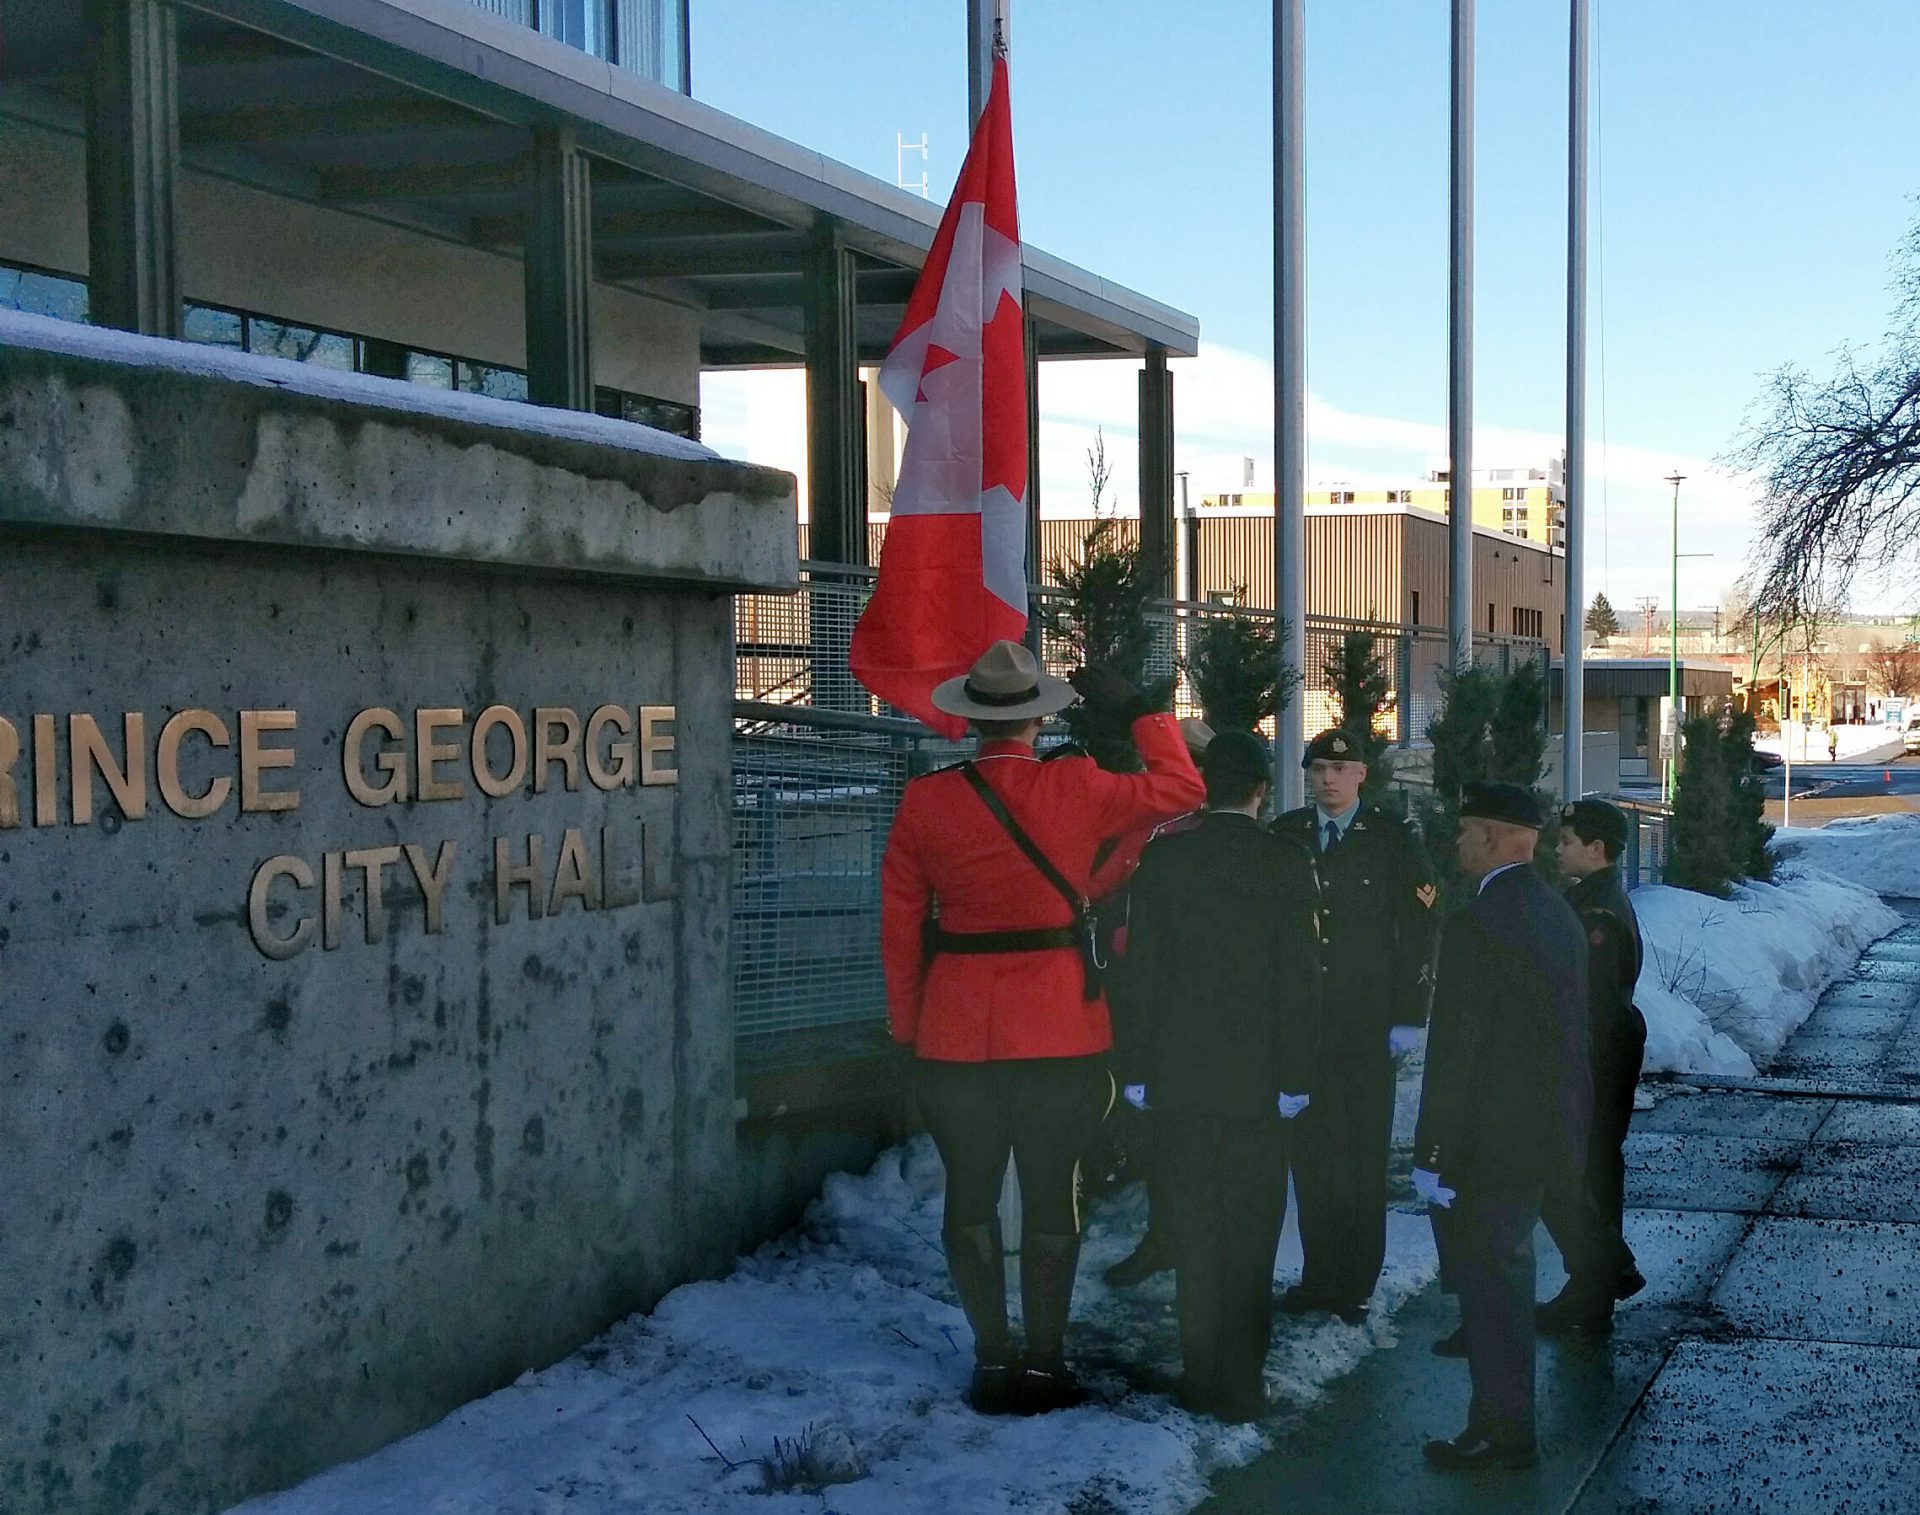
[(417, 112), (1645, 678)]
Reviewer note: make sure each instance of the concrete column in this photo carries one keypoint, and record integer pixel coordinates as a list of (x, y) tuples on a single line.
[(133, 163), (559, 266), (1156, 468), (836, 492)]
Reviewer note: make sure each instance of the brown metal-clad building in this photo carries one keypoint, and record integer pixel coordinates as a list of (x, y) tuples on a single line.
[(1379, 563)]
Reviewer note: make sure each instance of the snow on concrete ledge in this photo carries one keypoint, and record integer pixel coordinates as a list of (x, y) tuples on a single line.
[(104, 431), (1726, 982), (47, 334)]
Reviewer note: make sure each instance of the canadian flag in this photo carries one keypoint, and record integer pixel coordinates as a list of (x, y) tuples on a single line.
[(953, 575)]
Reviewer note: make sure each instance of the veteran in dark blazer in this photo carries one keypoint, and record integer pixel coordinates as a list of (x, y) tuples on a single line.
[(1505, 1110), (1225, 968), (1377, 919)]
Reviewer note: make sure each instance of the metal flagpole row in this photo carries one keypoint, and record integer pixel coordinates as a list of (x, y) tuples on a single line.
[(1573, 650), (1460, 347), (1290, 388)]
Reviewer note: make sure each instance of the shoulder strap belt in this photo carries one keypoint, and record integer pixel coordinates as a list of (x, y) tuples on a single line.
[(1025, 843), (1080, 935)]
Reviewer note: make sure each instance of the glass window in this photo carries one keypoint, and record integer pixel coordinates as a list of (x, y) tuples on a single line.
[(578, 23), (41, 294), (299, 344), (486, 379), (662, 415), (214, 327), (430, 369)]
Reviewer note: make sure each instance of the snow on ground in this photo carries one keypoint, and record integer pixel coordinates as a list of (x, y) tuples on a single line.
[(1726, 982), (1810, 742), (1881, 852), (849, 1323)]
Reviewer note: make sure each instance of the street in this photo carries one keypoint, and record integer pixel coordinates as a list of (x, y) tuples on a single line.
[(1846, 781), (1771, 1362)]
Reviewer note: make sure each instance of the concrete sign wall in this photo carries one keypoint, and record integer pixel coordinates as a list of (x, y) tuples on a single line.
[(364, 1022)]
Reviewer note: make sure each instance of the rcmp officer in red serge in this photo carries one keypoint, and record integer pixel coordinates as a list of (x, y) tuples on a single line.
[(1585, 1216), (1377, 900), (992, 980), (1504, 1110)]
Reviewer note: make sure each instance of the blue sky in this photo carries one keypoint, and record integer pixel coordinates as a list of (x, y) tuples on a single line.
[(1753, 165)]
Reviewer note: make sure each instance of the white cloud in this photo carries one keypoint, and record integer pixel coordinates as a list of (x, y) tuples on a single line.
[(1223, 412)]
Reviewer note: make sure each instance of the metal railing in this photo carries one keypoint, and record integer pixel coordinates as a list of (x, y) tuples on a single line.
[(792, 649), (1645, 858), (814, 795)]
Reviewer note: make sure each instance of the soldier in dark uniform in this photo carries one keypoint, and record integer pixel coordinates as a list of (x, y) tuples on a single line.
[(1504, 1111), (1377, 932), (1223, 959), (1585, 1217)]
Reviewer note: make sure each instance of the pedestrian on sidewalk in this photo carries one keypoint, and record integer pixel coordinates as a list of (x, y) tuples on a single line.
[(1225, 967), (993, 981), (1586, 1219), (1504, 1112), (1132, 1135), (1377, 921), (1833, 744)]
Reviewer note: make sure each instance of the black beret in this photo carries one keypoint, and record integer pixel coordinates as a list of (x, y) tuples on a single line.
[(1501, 802), (1596, 821), (1336, 746), (1239, 754)]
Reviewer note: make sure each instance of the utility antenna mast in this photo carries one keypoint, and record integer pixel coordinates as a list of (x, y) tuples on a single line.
[(901, 147)]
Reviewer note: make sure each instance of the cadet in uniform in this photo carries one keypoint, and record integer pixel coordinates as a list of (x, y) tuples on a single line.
[(992, 981), (1112, 879), (1377, 900), (1585, 1217), (1223, 959), (1504, 1111)]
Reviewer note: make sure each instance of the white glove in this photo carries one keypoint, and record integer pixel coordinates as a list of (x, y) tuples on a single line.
[(1404, 1039), (1428, 1187), (1135, 1095), (1292, 1104)]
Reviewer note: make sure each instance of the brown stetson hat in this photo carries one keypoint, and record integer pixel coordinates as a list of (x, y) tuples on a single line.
[(1006, 684)]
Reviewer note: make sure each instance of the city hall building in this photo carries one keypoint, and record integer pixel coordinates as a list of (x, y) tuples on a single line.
[(520, 198), (371, 770)]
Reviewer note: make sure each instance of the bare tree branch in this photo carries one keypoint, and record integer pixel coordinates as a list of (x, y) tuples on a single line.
[(1839, 465)]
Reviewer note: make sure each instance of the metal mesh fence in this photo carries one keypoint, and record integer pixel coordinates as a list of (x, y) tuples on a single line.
[(1645, 860), (812, 806), (792, 649)]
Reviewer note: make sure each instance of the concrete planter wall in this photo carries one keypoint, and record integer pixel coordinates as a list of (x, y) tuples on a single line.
[(289, 1170)]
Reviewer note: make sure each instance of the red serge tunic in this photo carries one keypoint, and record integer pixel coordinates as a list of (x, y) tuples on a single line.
[(946, 846)]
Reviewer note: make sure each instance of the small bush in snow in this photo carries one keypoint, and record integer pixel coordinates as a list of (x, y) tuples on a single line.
[(817, 1457)]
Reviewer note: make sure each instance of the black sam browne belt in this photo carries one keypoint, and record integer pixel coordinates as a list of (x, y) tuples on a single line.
[(1052, 939)]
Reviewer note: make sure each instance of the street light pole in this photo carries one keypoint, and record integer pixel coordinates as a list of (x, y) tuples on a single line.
[(1673, 649)]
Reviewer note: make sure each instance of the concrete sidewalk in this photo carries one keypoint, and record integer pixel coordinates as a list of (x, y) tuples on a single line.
[(1772, 1363)]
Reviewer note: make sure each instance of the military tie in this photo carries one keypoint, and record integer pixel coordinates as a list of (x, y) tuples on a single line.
[(1331, 841)]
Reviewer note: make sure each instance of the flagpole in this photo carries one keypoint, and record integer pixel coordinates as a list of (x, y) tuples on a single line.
[(1460, 350), (1573, 687), (1290, 392)]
